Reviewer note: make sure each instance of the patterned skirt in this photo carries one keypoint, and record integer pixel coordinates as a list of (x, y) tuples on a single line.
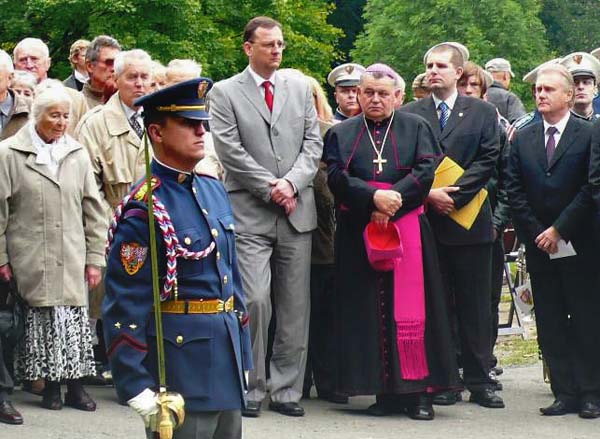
[(57, 344)]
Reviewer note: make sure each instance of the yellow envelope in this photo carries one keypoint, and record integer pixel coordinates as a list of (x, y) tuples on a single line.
[(446, 174)]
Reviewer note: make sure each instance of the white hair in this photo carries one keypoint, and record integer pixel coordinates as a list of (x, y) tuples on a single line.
[(5, 62), (400, 83), (28, 79), (31, 43), (48, 93), (123, 59), (184, 67)]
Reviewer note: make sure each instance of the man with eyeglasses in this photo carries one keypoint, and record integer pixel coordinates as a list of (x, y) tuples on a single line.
[(266, 135), (100, 64), (32, 55)]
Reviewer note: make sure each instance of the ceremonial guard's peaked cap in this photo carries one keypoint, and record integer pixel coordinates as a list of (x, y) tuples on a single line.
[(186, 99), (345, 75), (582, 64)]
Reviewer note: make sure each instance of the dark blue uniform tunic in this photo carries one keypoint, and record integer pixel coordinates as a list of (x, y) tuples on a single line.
[(206, 354)]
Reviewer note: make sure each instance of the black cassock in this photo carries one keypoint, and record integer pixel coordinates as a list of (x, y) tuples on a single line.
[(367, 354)]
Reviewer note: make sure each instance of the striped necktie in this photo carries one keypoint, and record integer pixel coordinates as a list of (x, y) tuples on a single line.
[(444, 114)]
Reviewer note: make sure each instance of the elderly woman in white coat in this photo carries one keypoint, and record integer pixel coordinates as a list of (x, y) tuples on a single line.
[(52, 230)]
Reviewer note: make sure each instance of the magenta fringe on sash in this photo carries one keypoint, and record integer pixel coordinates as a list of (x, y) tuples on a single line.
[(409, 296)]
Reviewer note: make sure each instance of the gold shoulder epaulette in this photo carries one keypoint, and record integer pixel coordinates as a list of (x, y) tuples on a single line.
[(140, 192)]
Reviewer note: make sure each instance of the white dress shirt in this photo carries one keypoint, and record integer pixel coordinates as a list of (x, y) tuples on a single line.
[(451, 101), (560, 126), (259, 81)]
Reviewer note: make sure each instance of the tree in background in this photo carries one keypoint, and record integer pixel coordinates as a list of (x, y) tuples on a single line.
[(208, 31), (571, 26), (400, 32), (348, 17)]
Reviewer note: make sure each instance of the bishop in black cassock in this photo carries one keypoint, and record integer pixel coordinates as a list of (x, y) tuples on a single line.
[(399, 149)]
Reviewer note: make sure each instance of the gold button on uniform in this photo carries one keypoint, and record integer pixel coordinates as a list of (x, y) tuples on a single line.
[(218, 255), (224, 280), (187, 240), (214, 232), (179, 339)]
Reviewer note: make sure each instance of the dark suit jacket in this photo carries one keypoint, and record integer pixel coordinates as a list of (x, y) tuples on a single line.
[(471, 139), (556, 194), (73, 83)]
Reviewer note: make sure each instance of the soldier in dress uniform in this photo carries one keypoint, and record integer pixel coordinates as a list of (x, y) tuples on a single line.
[(344, 79), (585, 70), (596, 102), (205, 325)]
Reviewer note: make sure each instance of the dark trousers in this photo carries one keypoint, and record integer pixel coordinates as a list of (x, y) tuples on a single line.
[(497, 278), (567, 309), (320, 364), (467, 271), (6, 382)]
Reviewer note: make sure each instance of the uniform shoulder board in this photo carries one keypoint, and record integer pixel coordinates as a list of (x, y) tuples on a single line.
[(523, 120), (140, 191)]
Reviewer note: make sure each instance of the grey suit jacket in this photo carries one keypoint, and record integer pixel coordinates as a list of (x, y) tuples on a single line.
[(256, 146)]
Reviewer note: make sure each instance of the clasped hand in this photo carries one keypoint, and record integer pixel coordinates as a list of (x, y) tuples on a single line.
[(282, 193), (387, 203)]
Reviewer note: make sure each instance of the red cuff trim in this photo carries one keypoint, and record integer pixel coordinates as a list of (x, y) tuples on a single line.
[(127, 339)]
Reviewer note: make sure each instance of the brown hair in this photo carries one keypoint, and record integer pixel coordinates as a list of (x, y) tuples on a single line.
[(456, 57), (255, 23), (472, 69)]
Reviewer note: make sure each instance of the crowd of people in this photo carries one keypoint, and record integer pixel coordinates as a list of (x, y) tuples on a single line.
[(357, 250)]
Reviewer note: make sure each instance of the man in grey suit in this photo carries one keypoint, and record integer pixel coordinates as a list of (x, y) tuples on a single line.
[(266, 134)]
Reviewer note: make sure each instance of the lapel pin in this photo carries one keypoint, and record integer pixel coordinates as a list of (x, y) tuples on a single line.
[(460, 114)]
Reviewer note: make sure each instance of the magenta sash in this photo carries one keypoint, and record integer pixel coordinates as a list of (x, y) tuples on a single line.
[(409, 295)]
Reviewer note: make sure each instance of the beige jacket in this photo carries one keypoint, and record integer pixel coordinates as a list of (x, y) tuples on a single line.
[(50, 227), (18, 116), (78, 109), (115, 150)]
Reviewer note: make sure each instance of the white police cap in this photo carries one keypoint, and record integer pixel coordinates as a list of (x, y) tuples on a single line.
[(345, 75), (582, 64)]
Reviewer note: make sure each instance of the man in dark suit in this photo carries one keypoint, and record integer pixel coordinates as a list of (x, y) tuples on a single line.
[(266, 134), (467, 131), (551, 203)]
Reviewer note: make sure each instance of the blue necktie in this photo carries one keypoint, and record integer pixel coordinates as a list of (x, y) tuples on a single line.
[(444, 114)]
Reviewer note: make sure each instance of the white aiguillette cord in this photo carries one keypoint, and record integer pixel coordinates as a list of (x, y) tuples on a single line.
[(379, 161)]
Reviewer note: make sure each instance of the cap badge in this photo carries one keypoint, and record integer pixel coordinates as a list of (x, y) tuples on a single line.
[(202, 86), (577, 59), (349, 69)]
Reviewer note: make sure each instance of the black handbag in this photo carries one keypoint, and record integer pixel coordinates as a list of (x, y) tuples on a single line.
[(12, 313)]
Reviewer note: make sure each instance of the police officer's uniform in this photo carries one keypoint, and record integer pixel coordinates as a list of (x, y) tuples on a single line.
[(344, 75), (206, 336), (584, 65)]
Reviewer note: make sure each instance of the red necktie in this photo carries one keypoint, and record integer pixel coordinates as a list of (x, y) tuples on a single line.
[(268, 95)]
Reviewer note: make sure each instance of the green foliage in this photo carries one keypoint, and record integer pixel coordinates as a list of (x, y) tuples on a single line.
[(208, 31), (348, 17), (571, 26), (400, 32)]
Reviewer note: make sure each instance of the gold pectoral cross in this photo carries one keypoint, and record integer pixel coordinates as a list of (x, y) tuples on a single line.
[(379, 161)]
